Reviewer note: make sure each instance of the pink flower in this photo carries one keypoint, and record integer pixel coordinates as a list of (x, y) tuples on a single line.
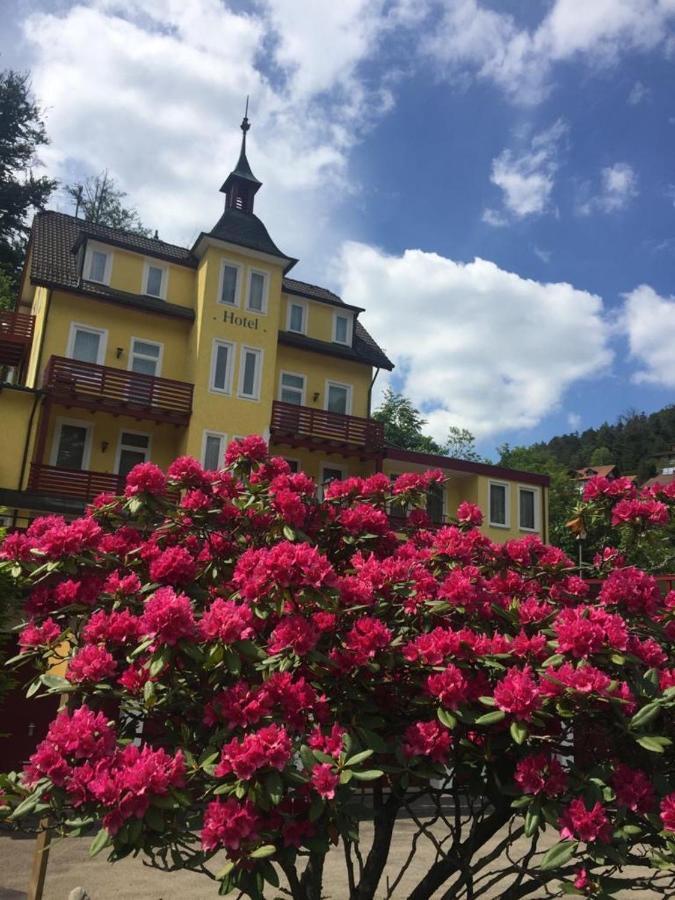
[(589, 825), (517, 693), (145, 478), (585, 631), (632, 590), (633, 789), (39, 635), (168, 617), (428, 739), (540, 773), (293, 633), (249, 449), (226, 621), (367, 637), (581, 880), (270, 747), (91, 664), (187, 471), (324, 780), (285, 565), (328, 743), (469, 514), (118, 627), (364, 519), (74, 736), (640, 511), (668, 812), (174, 565), (417, 481), (450, 687), (229, 824)]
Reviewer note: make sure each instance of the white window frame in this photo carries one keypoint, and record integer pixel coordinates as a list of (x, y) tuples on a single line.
[(258, 372), (120, 446), (295, 375), (206, 434), (507, 504), (99, 248), (150, 263), (350, 391), (229, 371), (350, 328), (265, 295), (305, 316), (56, 440), (537, 508), (295, 460), (103, 343), (221, 279), (160, 358)]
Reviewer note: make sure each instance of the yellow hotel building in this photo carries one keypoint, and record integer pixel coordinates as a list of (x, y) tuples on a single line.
[(125, 348)]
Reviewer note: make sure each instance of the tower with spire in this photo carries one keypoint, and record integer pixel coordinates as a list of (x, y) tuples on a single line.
[(241, 185)]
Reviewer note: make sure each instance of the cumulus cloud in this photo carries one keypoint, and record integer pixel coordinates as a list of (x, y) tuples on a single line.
[(649, 322), (503, 349), (154, 91), (638, 93), (470, 37), (526, 178), (618, 186)]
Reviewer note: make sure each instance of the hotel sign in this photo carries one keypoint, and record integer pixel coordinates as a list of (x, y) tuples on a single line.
[(242, 321)]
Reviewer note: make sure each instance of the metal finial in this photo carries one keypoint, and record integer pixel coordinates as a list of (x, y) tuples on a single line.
[(245, 124)]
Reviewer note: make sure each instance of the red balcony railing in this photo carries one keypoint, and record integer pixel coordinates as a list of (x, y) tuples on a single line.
[(87, 385), (16, 336), (73, 483), (301, 425)]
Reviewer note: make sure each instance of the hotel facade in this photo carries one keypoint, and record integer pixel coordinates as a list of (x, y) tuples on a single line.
[(124, 348)]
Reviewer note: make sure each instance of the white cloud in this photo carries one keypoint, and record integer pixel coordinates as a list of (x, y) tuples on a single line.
[(543, 255), (470, 37), (526, 179), (154, 90), (638, 93), (649, 322), (618, 186), (574, 421), (502, 350)]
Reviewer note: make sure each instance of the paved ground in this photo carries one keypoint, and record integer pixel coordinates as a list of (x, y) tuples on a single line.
[(71, 867)]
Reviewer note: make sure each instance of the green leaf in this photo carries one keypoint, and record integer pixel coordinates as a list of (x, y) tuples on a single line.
[(644, 715), (359, 757), (490, 718), (56, 682), (559, 854), (346, 776), (289, 534), (532, 819), (554, 660), (225, 871), (654, 744), (373, 740), (519, 733), (487, 701), (263, 852), (101, 840), (369, 775), (446, 718), (157, 665), (274, 787)]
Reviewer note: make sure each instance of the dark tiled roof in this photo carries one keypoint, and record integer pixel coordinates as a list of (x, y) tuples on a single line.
[(362, 351), (246, 230)]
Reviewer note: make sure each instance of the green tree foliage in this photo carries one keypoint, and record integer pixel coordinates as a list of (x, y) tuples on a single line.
[(403, 424), (99, 199), (22, 132), (563, 492), (601, 456), (461, 444)]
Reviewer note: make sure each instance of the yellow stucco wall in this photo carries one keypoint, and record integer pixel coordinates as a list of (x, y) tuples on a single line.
[(319, 316), (15, 408), (318, 369), (127, 273)]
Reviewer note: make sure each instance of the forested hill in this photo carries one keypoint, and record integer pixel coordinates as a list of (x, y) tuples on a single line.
[(630, 444)]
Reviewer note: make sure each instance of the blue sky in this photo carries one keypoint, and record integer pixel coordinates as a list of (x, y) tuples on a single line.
[(493, 181)]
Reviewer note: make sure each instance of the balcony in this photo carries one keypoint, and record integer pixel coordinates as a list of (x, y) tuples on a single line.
[(75, 484), (301, 426), (101, 388), (16, 337)]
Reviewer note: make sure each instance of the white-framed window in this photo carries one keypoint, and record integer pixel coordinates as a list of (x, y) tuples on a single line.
[(87, 344), (338, 398), (292, 388), (529, 505), (133, 448), (293, 463), (213, 449), (250, 373), (145, 357), (222, 366), (499, 502), (342, 328), (258, 288), (297, 317), (71, 444), (230, 280), (155, 278), (97, 263)]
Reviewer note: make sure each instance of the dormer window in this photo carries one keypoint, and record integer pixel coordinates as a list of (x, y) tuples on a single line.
[(155, 280), (97, 264), (342, 329), (297, 318)]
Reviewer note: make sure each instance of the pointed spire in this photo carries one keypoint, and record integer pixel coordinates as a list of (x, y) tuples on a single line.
[(241, 184)]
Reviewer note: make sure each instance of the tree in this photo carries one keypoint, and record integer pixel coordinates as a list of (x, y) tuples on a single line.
[(563, 492), (601, 456), (22, 132), (280, 653), (403, 424), (461, 444), (7, 290), (99, 199)]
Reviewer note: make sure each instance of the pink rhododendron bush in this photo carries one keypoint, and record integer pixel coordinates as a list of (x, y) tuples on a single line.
[(260, 675)]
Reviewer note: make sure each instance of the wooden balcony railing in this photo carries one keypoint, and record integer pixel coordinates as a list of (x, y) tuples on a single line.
[(304, 426), (90, 386), (16, 337), (76, 484)]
